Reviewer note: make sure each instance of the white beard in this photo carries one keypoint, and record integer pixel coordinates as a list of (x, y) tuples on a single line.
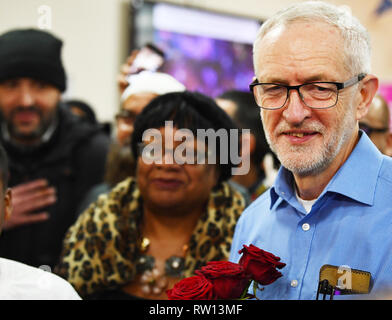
[(305, 160)]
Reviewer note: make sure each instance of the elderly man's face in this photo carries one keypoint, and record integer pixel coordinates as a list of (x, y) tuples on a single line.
[(28, 106), (376, 125), (306, 140)]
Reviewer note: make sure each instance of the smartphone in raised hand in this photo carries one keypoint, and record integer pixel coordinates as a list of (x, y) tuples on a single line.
[(149, 58)]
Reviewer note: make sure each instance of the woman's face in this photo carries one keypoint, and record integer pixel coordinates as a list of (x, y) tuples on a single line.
[(170, 185)]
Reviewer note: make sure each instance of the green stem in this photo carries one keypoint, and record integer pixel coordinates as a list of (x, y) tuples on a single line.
[(245, 292)]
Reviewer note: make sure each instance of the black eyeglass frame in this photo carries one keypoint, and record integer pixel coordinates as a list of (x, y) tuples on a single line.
[(125, 114), (142, 145), (339, 86)]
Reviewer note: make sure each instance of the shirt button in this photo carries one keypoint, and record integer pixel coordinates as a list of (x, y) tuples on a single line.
[(305, 227), (294, 283)]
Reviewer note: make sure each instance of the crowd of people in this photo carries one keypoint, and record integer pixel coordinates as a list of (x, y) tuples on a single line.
[(124, 211)]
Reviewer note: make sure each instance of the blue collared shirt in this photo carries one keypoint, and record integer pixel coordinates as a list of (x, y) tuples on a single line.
[(350, 224)]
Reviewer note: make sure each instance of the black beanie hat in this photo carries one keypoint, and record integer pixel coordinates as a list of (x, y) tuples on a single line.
[(34, 54)]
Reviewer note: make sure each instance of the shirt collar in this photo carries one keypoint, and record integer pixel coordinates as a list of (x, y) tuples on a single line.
[(282, 189), (356, 179)]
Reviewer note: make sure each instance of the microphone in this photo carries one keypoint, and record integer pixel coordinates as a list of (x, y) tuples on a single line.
[(342, 280)]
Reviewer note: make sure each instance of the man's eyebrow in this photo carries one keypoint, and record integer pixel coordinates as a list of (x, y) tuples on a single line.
[(314, 78), (319, 78)]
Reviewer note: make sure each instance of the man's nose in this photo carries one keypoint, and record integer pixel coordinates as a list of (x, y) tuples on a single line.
[(124, 132), (295, 110), (26, 96)]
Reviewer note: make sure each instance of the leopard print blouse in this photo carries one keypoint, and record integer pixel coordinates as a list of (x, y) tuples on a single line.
[(100, 249)]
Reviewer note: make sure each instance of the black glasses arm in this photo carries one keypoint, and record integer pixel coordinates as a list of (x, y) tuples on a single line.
[(352, 81)]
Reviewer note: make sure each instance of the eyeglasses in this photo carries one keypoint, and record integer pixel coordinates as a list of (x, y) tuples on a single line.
[(316, 95), (126, 115), (152, 153), (369, 130)]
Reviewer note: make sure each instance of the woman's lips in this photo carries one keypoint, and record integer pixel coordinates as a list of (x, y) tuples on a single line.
[(167, 183)]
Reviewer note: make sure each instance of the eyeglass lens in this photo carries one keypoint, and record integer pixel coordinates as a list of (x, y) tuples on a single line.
[(315, 95)]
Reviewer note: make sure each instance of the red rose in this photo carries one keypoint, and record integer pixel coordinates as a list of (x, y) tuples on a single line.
[(192, 288), (260, 264), (229, 279)]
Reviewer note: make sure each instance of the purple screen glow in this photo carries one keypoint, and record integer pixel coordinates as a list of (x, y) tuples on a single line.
[(207, 65)]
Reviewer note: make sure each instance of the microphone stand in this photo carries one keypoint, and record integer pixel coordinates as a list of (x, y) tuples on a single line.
[(325, 289)]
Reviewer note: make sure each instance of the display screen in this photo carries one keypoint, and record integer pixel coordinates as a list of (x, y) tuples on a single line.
[(208, 52), (207, 65)]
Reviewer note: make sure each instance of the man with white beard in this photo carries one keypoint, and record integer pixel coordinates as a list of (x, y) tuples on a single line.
[(330, 203)]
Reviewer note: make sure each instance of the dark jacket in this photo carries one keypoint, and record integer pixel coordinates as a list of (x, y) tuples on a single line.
[(73, 160)]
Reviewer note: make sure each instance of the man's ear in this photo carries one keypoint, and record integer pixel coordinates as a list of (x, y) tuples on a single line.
[(367, 92), (7, 204)]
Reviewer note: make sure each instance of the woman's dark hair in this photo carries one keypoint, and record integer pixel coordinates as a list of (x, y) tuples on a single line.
[(3, 167), (187, 110)]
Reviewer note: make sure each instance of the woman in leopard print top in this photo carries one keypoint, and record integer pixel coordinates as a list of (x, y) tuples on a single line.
[(175, 216)]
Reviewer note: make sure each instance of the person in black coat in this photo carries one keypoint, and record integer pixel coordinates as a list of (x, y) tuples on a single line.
[(55, 157)]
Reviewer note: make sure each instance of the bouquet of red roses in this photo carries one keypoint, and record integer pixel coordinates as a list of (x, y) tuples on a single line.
[(228, 280)]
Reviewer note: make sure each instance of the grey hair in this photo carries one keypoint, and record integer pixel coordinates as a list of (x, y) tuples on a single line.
[(357, 48)]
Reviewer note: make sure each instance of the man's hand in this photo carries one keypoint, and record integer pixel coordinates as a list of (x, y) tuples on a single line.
[(124, 71), (27, 199)]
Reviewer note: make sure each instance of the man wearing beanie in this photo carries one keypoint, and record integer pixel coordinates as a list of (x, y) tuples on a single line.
[(55, 157)]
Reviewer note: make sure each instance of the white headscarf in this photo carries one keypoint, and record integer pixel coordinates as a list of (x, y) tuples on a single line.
[(155, 82)]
